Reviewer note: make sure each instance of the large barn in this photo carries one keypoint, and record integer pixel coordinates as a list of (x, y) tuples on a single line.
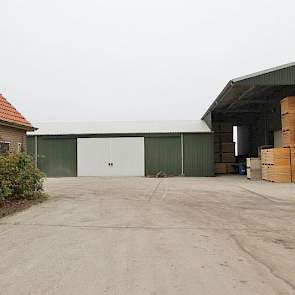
[(123, 148), (249, 105)]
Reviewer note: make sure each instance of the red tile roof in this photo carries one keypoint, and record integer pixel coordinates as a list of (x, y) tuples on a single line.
[(9, 114)]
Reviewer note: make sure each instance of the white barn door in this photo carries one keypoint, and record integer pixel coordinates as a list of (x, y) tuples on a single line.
[(93, 156), (120, 156), (127, 156)]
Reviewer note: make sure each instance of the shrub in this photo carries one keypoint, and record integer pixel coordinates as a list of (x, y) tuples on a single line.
[(19, 178)]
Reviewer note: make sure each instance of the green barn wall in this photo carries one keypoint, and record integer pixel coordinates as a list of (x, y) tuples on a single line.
[(163, 154), (57, 157), (198, 154), (31, 146)]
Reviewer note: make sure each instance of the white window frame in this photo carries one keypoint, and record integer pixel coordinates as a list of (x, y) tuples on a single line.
[(19, 147), (7, 142)]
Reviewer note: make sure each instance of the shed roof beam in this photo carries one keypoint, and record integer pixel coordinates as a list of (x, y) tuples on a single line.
[(237, 101), (237, 111)]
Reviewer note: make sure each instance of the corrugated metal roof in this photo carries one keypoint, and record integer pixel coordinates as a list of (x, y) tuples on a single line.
[(283, 75), (267, 71), (124, 127)]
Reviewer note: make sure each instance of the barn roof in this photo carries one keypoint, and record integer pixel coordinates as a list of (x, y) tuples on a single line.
[(252, 93), (124, 127)]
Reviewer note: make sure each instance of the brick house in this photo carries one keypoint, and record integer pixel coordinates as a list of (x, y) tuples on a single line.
[(13, 128)]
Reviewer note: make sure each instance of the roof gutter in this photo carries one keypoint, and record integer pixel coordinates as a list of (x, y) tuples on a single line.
[(19, 126), (219, 98)]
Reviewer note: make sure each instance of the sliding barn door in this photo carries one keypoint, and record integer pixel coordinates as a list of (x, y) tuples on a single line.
[(121, 156)]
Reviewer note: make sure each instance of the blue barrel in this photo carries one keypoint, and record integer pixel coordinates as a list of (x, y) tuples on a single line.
[(242, 169)]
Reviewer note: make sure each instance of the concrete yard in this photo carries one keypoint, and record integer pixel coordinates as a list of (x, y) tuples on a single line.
[(137, 236)]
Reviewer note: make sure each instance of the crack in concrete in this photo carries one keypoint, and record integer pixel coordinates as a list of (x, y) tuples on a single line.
[(155, 189), (273, 200), (261, 262), (146, 227)]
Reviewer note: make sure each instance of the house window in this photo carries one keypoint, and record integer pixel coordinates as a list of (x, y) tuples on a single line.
[(4, 147), (19, 147)]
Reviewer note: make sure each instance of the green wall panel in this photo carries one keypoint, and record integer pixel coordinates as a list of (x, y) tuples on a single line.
[(57, 157), (31, 146), (163, 154), (198, 154)]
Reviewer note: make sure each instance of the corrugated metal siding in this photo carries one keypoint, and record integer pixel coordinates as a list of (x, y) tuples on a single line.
[(58, 154), (284, 76), (198, 154), (31, 146), (163, 154), (57, 157)]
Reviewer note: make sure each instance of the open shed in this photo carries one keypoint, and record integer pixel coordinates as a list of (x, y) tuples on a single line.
[(252, 103)]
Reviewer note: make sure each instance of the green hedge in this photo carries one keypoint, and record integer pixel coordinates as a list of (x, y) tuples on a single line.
[(19, 178)]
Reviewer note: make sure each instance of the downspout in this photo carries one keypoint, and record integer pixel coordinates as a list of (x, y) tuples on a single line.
[(36, 151), (182, 153)]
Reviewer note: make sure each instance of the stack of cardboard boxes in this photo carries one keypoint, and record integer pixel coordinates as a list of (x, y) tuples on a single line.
[(254, 171), (224, 148)]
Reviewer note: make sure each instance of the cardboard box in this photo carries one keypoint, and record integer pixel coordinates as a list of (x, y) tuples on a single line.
[(254, 169), (254, 174), (220, 168), (224, 168), (228, 158), (254, 163), (228, 147)]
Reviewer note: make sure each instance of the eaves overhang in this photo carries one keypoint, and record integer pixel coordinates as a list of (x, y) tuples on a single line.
[(255, 89)]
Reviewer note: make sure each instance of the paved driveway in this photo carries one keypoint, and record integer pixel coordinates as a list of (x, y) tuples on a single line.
[(137, 236)]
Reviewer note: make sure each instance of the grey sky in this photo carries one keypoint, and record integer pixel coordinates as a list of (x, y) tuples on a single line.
[(98, 60)]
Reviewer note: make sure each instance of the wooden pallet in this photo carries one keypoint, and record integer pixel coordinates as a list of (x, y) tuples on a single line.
[(228, 157), (224, 168), (288, 105), (288, 138), (276, 165), (228, 147), (288, 122), (293, 163), (275, 173), (275, 156), (254, 171)]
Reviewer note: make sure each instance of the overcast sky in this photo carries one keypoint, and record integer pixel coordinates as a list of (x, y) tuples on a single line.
[(101, 60)]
